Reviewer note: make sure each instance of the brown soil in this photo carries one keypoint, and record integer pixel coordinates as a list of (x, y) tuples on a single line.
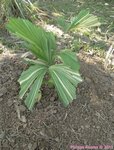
[(89, 120)]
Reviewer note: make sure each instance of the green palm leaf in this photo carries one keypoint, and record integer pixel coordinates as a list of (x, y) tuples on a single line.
[(31, 79), (38, 38), (34, 92), (65, 81), (84, 20), (70, 59)]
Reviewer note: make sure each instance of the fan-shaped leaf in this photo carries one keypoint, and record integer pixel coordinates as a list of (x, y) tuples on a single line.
[(31, 79), (65, 81), (34, 92), (70, 59), (38, 39), (84, 20)]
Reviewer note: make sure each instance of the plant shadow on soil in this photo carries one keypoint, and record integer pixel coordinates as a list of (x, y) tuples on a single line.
[(89, 120)]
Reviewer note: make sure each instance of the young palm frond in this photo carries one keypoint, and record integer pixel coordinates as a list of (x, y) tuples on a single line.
[(84, 20), (65, 76)]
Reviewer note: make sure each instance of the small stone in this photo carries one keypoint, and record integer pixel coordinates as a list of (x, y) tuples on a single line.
[(29, 146), (10, 103), (24, 125), (52, 98), (54, 111), (22, 108), (112, 75), (2, 134), (1, 94), (82, 127), (32, 146), (57, 139), (98, 127), (87, 126), (3, 91), (1, 99), (23, 119)]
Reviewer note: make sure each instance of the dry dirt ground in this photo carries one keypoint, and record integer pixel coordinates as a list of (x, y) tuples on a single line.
[(89, 120)]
